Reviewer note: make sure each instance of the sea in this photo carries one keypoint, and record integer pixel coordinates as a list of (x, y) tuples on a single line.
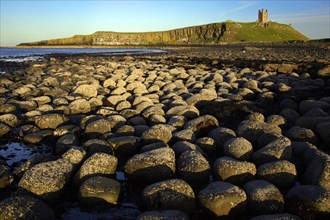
[(27, 54)]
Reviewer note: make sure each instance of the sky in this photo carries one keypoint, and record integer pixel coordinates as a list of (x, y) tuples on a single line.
[(29, 21)]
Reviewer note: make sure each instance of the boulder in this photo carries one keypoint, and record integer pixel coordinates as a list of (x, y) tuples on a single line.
[(184, 135), (311, 122), (26, 106), (65, 142), (288, 103), (277, 120), (86, 91), (109, 83), (151, 166), (323, 131), (152, 110), (282, 173), (51, 121), (47, 180), (116, 121), (263, 198), (6, 177), (75, 155), (170, 194), (157, 133), (98, 163), (140, 129), (83, 121), (297, 133), (220, 136), (177, 121), (38, 136), (279, 149), (113, 100), (256, 116), (156, 119), (324, 72), (252, 130), (238, 148), (233, 171), (123, 105), (125, 145), (188, 111), (25, 207), (290, 115), (22, 91), (308, 105), (65, 129), (99, 189), (60, 101), (42, 100), (136, 121), (80, 106), (317, 170), (153, 146), (308, 201), (207, 144), (32, 161), (202, 125), (193, 168), (4, 129), (182, 146), (97, 128), (222, 199), (284, 216), (26, 129), (10, 120), (97, 145)]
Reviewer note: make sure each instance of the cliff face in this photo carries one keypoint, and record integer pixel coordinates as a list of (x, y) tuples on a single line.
[(204, 34)]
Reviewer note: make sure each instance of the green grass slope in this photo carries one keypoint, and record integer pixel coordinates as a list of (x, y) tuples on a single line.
[(252, 32)]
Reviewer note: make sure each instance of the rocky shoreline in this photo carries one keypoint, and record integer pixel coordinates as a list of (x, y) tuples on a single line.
[(233, 131)]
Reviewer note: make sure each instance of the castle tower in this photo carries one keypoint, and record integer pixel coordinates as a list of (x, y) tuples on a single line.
[(263, 16)]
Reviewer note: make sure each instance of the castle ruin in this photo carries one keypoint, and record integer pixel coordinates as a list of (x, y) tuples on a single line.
[(263, 17)]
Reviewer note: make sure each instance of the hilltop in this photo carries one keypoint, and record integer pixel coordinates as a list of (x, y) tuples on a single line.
[(222, 32)]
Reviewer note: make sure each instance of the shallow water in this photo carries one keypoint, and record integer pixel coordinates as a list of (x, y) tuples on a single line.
[(27, 54), (124, 211), (16, 153)]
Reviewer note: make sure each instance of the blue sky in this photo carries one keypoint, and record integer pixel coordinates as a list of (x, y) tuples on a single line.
[(28, 21)]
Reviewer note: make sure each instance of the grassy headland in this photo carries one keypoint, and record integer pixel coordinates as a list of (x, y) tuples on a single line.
[(225, 32)]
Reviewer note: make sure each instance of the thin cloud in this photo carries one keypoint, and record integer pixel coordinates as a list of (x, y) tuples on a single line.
[(306, 19), (242, 7), (303, 17)]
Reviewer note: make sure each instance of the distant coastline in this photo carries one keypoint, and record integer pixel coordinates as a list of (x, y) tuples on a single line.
[(209, 34)]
